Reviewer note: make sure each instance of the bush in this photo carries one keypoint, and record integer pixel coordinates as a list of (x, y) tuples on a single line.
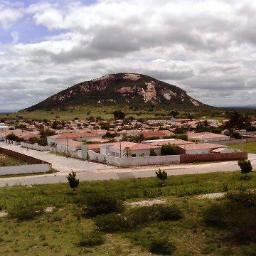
[(136, 217), (72, 180), (101, 204), (245, 199), (112, 223), (161, 246), (171, 212), (24, 210), (245, 166), (161, 175), (236, 215), (169, 149), (142, 215), (91, 239)]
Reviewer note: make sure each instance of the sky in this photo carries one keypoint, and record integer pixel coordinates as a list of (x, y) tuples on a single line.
[(207, 47)]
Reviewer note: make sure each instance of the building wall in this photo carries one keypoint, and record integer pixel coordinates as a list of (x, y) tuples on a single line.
[(197, 151), (185, 158), (133, 161)]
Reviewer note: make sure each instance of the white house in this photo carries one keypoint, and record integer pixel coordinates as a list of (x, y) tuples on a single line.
[(3, 131), (207, 137), (201, 148)]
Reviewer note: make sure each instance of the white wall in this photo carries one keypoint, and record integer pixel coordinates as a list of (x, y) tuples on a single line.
[(133, 161), (23, 169), (198, 151)]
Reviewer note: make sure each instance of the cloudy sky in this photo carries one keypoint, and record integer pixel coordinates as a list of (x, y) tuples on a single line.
[(206, 47)]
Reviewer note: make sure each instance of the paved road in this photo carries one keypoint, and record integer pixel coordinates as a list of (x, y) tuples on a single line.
[(88, 171)]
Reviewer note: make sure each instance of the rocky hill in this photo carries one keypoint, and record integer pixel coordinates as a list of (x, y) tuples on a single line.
[(119, 89)]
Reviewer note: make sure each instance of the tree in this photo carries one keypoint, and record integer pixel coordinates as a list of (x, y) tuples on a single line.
[(152, 152), (237, 121), (174, 113), (169, 149), (161, 175), (118, 114), (13, 137), (72, 180)]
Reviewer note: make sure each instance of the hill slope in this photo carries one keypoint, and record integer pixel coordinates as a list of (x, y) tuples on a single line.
[(120, 89)]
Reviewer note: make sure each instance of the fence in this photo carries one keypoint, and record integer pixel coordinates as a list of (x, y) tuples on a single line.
[(35, 146), (185, 158)]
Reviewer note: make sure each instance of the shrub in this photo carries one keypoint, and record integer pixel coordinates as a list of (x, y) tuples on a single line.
[(91, 239), (243, 198), (235, 214), (142, 215), (169, 149), (161, 175), (152, 152), (24, 210), (171, 212), (161, 246), (102, 204), (112, 223), (245, 166), (72, 180)]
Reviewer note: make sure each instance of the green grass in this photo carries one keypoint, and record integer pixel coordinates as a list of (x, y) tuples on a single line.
[(249, 147), (59, 232), (106, 112), (6, 160)]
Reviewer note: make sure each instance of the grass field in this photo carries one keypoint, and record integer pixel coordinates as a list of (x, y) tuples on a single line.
[(106, 112), (59, 232), (9, 161), (249, 147)]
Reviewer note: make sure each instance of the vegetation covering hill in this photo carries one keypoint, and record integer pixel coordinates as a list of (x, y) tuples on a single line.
[(136, 90)]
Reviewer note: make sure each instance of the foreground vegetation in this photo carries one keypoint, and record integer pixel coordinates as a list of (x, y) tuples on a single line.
[(96, 219)]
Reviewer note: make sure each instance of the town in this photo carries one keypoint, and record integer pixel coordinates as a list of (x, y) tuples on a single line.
[(133, 143)]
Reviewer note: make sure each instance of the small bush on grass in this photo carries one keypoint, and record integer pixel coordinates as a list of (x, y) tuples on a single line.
[(91, 239), (245, 167), (236, 215), (243, 198), (136, 217), (24, 210), (72, 180), (142, 215), (171, 212), (161, 246), (112, 223), (101, 204), (162, 176)]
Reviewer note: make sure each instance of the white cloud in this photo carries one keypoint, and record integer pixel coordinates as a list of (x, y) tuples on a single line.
[(8, 15), (207, 47)]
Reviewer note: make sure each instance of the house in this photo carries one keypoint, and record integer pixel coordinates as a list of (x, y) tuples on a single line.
[(63, 138), (3, 129), (23, 134), (202, 148), (129, 149), (161, 142), (207, 137), (68, 146), (159, 134)]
